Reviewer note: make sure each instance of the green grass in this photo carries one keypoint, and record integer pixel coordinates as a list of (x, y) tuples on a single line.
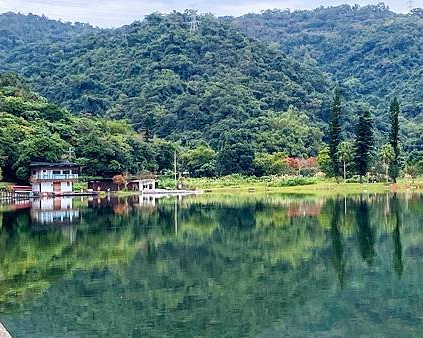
[(295, 185)]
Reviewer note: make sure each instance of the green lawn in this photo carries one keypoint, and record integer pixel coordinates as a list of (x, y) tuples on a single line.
[(320, 187)]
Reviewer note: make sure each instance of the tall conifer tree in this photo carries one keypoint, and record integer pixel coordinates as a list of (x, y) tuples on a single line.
[(394, 112), (335, 133), (363, 144)]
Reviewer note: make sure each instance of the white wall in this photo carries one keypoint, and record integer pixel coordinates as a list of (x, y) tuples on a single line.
[(46, 187), (65, 187), (35, 187)]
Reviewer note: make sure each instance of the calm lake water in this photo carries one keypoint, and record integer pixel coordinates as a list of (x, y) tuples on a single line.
[(213, 266)]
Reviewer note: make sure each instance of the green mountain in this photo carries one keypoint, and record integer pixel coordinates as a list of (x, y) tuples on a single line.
[(374, 53), (260, 83), (170, 82)]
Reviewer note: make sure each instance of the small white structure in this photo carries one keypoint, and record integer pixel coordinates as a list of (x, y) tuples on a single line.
[(53, 178), (143, 185)]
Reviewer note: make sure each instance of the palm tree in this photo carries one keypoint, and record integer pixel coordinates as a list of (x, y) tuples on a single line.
[(345, 154), (387, 155)]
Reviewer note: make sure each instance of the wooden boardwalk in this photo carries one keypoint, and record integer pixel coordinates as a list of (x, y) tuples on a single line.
[(3, 332)]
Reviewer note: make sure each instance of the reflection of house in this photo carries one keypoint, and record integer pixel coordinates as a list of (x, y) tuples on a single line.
[(107, 184), (54, 211), (53, 178), (304, 209)]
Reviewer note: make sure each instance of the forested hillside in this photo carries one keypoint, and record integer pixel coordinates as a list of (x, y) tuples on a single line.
[(21, 31), (373, 52), (234, 93), (172, 83), (33, 129)]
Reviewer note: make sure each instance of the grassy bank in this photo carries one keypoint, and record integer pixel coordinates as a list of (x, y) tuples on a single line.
[(237, 184)]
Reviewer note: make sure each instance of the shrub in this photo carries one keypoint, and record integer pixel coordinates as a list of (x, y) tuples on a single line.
[(293, 181)]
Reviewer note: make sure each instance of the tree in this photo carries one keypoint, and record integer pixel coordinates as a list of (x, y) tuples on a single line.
[(120, 180), (294, 164), (324, 161), (39, 147), (200, 162), (335, 132), (235, 159), (363, 144), (387, 155), (270, 164), (345, 154), (394, 112)]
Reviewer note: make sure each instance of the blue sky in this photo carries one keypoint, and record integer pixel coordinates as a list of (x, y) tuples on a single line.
[(113, 13)]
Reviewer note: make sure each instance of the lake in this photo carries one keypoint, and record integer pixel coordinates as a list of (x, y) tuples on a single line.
[(213, 266)]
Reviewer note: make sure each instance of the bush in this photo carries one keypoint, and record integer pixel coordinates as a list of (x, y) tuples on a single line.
[(78, 186), (293, 181)]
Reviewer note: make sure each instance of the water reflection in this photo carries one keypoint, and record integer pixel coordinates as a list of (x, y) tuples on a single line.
[(396, 235), (213, 266), (54, 211), (338, 256), (365, 232)]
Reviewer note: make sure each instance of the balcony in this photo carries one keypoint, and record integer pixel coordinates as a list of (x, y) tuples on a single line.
[(54, 177)]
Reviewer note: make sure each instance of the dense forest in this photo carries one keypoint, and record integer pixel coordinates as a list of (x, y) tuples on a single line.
[(373, 53), (238, 96), (174, 84), (34, 129)]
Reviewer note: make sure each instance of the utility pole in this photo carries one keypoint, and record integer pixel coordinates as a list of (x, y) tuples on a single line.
[(194, 23)]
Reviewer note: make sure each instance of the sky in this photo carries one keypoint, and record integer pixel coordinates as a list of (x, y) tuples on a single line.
[(115, 13)]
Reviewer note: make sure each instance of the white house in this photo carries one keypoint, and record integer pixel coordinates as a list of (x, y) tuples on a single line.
[(53, 178)]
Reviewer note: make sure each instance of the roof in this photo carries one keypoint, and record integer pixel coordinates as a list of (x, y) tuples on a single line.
[(62, 164)]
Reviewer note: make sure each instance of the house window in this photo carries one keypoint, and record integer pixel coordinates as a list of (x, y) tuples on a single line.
[(68, 184), (56, 172), (66, 172), (34, 172)]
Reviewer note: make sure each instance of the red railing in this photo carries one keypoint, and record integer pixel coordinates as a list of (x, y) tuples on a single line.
[(21, 188)]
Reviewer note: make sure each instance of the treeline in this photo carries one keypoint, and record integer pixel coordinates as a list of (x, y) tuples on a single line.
[(359, 156), (33, 129)]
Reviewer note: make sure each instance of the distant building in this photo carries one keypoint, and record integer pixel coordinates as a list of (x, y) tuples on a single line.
[(142, 185), (107, 184), (53, 178)]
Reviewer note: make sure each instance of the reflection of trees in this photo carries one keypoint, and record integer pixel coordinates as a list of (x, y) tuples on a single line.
[(338, 257), (220, 275), (396, 236), (365, 233)]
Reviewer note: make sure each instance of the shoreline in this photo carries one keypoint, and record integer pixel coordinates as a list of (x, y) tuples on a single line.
[(321, 188)]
